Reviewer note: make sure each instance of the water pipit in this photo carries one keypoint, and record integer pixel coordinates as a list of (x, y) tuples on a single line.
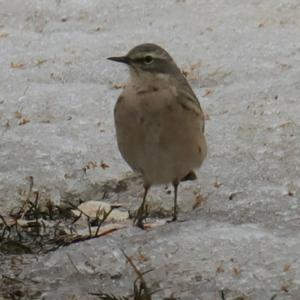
[(159, 122)]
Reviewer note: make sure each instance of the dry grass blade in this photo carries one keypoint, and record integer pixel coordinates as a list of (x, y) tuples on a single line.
[(105, 216), (140, 289), (83, 213), (6, 228), (104, 296)]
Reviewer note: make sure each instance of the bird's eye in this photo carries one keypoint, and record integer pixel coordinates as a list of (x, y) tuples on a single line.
[(148, 59)]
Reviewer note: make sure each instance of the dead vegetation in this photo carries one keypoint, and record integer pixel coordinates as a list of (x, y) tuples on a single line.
[(33, 228), (141, 290)]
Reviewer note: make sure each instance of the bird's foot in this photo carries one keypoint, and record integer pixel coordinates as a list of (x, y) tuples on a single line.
[(140, 216), (139, 223), (175, 219)]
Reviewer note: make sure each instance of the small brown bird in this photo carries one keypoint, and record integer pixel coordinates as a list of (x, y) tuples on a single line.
[(159, 122)]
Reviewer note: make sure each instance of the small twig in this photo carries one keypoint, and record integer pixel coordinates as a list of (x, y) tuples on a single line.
[(140, 275), (3, 220), (30, 178), (76, 219), (27, 200), (142, 290), (18, 232), (105, 216), (43, 226), (105, 296), (6, 227), (77, 208), (35, 212), (75, 267), (56, 228), (25, 91), (83, 213)]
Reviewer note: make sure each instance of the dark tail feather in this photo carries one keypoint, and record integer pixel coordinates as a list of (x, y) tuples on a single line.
[(190, 176)]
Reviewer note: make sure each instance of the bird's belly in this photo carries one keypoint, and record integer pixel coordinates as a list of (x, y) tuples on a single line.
[(163, 145)]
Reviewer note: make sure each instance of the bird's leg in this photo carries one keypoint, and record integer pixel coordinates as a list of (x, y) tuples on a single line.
[(141, 212), (175, 185)]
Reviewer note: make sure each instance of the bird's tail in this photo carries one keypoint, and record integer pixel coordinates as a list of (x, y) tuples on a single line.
[(189, 176)]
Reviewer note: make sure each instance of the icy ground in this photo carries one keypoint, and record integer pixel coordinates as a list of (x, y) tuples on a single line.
[(57, 93)]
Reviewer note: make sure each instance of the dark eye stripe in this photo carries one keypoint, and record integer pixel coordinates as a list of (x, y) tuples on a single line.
[(138, 60), (142, 59)]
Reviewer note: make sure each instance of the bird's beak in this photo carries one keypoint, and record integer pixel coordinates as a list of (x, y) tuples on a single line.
[(122, 59)]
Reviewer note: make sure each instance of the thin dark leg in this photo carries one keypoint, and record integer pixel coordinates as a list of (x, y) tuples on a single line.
[(141, 213), (175, 184)]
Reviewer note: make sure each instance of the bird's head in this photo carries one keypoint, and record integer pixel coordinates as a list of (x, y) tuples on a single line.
[(148, 58)]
